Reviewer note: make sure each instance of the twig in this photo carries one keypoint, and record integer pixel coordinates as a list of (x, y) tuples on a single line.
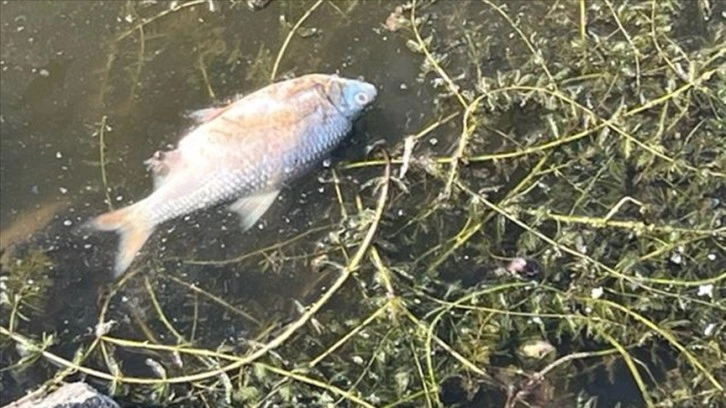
[(289, 38), (102, 154)]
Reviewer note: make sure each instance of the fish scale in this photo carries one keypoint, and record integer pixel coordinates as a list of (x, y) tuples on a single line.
[(245, 153)]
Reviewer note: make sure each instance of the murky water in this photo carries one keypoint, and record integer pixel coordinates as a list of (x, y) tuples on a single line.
[(74, 72), (90, 89)]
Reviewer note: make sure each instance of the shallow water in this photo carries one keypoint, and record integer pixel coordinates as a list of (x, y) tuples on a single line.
[(70, 67), (77, 72)]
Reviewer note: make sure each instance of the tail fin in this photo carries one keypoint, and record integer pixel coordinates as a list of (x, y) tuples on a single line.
[(134, 229)]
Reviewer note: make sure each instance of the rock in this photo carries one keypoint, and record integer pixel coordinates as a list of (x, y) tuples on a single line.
[(73, 395)]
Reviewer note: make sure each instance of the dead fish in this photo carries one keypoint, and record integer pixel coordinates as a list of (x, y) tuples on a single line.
[(246, 151)]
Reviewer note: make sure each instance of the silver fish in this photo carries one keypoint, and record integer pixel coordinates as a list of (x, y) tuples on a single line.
[(246, 152)]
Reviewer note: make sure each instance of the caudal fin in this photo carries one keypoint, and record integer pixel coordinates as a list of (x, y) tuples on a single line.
[(134, 230)]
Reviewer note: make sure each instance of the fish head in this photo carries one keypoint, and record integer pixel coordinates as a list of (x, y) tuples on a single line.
[(351, 97)]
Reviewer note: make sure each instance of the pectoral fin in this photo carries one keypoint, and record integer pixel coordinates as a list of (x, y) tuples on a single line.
[(251, 208)]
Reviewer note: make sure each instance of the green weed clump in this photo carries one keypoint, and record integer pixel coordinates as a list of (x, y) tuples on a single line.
[(552, 236)]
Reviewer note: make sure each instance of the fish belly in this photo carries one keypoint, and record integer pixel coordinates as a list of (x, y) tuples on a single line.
[(191, 192)]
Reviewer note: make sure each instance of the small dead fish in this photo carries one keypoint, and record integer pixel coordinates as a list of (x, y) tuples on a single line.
[(246, 152)]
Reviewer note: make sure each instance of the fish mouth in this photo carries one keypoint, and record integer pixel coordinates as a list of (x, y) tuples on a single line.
[(371, 91)]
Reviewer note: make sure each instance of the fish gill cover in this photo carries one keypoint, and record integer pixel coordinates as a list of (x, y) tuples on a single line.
[(531, 215)]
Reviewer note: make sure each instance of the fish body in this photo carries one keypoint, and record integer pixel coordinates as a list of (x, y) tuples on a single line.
[(245, 153)]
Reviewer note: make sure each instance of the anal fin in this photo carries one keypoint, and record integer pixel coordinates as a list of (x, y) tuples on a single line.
[(251, 208)]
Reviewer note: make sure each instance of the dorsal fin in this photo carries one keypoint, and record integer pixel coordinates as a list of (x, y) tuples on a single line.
[(205, 115)]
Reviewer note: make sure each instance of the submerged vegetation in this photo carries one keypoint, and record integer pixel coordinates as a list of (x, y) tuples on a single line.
[(552, 235)]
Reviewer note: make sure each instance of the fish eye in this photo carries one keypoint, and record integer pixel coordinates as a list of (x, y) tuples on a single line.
[(361, 98)]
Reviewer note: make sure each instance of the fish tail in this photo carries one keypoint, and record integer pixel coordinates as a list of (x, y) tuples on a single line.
[(134, 229)]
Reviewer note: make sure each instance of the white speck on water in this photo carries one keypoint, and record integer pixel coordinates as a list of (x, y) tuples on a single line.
[(321, 190), (44, 72), (63, 190), (119, 198), (87, 246), (400, 213), (67, 223), (403, 86), (677, 258), (711, 257), (58, 155), (433, 141), (597, 292), (588, 310), (358, 360), (706, 290), (709, 329), (326, 163), (124, 299), (260, 226)]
